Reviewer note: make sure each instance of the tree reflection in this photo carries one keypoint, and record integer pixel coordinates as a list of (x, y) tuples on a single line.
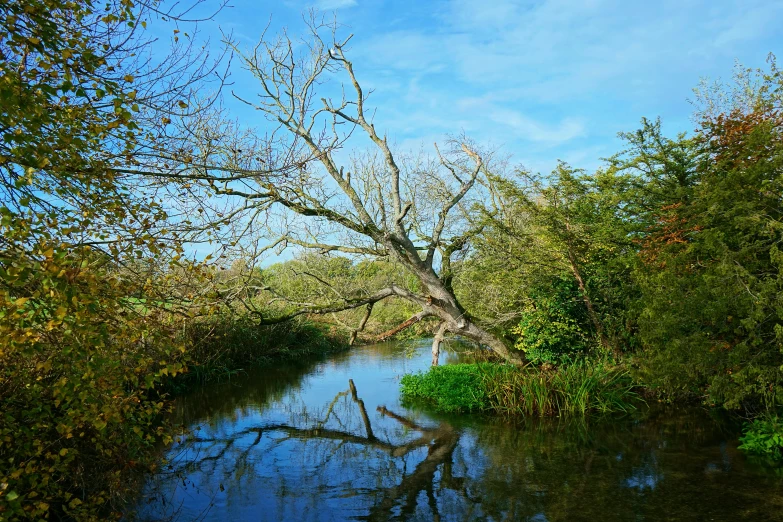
[(342, 431), (340, 461)]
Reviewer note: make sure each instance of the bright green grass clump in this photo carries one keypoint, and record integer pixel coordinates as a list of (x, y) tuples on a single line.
[(576, 389), (453, 388)]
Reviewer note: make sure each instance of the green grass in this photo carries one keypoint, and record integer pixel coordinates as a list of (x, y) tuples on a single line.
[(453, 388), (577, 389)]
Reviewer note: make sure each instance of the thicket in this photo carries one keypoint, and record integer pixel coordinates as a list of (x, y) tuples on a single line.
[(223, 344), (667, 259), (94, 290)]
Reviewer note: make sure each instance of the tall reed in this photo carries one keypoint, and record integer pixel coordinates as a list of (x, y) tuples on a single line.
[(577, 389)]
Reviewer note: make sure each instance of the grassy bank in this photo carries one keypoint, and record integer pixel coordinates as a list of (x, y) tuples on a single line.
[(577, 389), (221, 346)]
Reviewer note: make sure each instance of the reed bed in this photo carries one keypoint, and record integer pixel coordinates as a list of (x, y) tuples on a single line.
[(577, 389)]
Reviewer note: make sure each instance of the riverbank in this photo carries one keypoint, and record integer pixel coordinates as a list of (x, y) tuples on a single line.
[(576, 390), (220, 347)]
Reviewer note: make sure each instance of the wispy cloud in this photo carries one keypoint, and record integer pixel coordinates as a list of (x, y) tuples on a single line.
[(563, 74), (328, 5), (515, 125), (546, 78)]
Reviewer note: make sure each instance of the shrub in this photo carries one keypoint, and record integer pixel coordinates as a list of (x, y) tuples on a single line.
[(552, 330), (764, 436), (79, 412)]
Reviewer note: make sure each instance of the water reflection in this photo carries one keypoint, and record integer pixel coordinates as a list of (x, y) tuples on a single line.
[(333, 442)]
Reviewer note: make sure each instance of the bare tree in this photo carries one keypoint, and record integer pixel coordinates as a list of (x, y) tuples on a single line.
[(297, 186)]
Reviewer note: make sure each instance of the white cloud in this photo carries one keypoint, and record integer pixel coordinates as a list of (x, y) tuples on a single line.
[(532, 130), (559, 48), (515, 125), (546, 78)]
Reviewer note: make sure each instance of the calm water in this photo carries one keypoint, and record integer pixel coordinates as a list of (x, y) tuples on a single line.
[(298, 443)]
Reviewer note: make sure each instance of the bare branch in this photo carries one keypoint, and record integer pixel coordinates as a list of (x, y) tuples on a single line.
[(402, 326)]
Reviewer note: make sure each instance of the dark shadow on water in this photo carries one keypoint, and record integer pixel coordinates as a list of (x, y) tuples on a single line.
[(332, 442)]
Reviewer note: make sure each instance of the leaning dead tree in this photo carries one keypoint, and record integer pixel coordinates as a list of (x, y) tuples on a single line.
[(298, 186)]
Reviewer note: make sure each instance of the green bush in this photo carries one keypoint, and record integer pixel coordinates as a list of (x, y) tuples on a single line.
[(764, 436), (553, 329)]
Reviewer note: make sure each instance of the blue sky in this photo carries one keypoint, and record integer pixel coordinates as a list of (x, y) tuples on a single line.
[(542, 80)]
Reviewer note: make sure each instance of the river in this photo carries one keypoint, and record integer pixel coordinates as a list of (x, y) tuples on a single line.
[(331, 440)]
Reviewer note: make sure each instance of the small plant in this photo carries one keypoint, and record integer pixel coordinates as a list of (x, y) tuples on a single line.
[(764, 436)]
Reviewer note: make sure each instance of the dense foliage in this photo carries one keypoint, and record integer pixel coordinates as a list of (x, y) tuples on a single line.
[(667, 258), (85, 337)]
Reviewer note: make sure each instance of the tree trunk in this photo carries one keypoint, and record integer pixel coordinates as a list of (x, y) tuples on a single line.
[(443, 303), (599, 327), (436, 343)]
